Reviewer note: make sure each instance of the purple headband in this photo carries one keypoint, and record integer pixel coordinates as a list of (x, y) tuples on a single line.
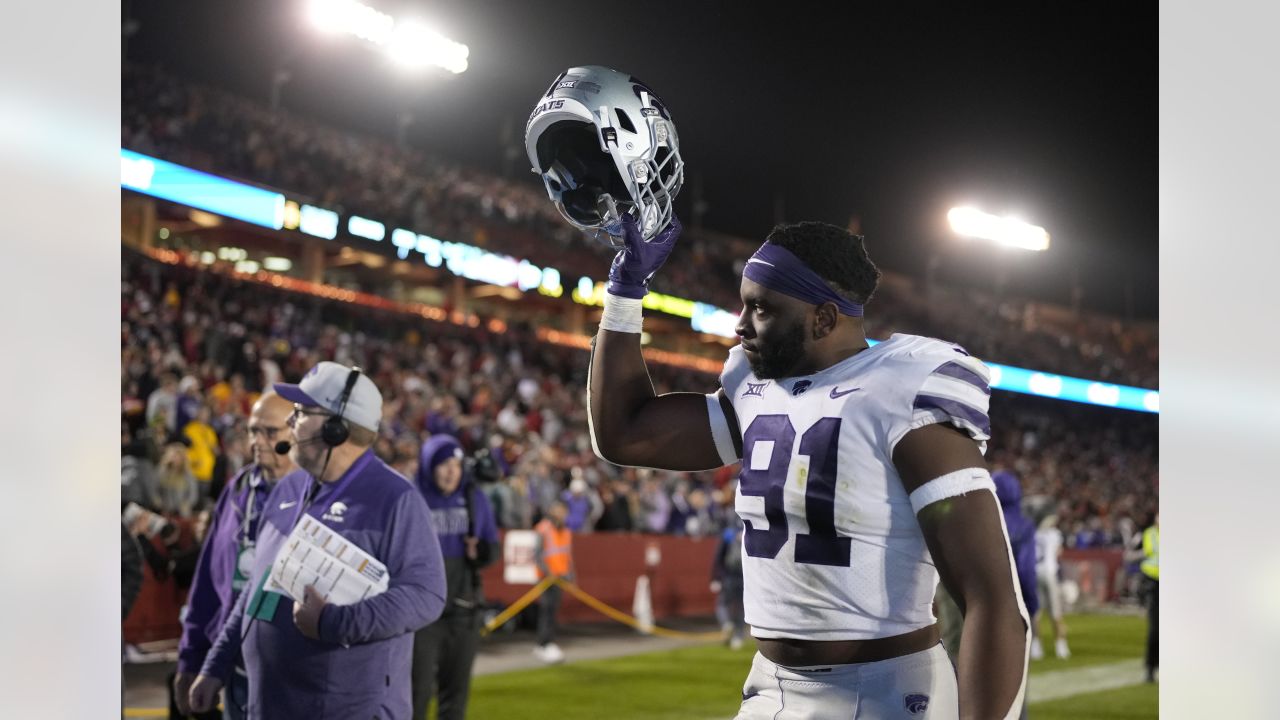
[(778, 269)]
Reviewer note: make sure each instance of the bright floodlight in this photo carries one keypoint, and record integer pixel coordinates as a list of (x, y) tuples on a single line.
[(1009, 232), (352, 17), (408, 44), (415, 46)]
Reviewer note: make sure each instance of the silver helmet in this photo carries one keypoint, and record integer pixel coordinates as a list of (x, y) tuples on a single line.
[(606, 147)]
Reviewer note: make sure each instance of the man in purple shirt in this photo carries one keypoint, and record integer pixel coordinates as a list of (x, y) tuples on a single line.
[(444, 651), (228, 553), (312, 659)]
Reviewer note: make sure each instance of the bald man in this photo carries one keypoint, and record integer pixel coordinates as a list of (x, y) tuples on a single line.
[(228, 551)]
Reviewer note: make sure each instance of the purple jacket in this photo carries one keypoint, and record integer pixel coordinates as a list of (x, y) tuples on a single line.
[(449, 512), (214, 589), (1022, 536), (360, 667), (449, 516)]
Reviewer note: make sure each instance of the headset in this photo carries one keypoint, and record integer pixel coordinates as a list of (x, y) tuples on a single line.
[(334, 431)]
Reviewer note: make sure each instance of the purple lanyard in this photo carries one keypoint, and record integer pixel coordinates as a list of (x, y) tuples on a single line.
[(341, 485)]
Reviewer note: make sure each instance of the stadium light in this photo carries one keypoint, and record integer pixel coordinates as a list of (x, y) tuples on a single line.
[(414, 46), (1006, 231), (408, 43), (366, 23)]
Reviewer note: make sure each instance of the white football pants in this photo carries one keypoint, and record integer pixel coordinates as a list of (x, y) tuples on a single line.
[(919, 686)]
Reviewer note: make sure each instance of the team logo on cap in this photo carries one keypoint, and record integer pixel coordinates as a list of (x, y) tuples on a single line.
[(915, 703)]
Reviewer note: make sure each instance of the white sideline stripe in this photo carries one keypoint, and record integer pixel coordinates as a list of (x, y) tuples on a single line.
[(1058, 684)]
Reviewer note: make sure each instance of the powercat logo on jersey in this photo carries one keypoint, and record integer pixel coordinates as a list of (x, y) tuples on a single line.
[(335, 513), (755, 389), (915, 703), (801, 386)]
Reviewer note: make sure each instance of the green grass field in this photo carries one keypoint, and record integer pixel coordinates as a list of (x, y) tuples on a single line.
[(1094, 640), (1130, 703), (706, 681)]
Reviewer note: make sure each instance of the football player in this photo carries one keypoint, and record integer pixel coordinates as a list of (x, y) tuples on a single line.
[(862, 472), (862, 482), (1049, 544)]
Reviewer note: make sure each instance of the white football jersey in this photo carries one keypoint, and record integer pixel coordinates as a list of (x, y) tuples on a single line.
[(1048, 543), (832, 549)]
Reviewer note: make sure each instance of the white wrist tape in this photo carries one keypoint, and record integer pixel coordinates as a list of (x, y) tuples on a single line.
[(622, 314), (951, 485)]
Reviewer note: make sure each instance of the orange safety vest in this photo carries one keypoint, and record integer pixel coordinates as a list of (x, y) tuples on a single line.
[(556, 545)]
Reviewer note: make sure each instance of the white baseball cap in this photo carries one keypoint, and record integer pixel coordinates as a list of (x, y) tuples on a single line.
[(322, 387)]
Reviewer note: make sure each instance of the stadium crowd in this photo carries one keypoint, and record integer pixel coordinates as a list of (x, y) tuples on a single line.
[(404, 186), (198, 346)]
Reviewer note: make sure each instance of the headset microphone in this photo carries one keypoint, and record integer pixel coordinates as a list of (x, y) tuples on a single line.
[(284, 446), (334, 431)]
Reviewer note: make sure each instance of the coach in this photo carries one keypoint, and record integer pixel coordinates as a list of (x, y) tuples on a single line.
[(310, 659), (228, 552)]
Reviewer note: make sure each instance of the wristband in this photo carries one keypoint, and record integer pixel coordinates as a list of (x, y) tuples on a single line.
[(622, 314)]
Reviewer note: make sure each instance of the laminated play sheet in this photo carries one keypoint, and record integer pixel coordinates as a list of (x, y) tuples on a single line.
[(338, 569)]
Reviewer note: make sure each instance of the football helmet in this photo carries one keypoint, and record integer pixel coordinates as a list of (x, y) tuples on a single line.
[(605, 147)]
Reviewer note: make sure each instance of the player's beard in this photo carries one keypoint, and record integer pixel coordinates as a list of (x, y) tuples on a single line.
[(779, 357)]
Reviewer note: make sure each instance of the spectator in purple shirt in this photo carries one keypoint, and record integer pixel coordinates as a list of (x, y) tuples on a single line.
[(228, 553), (585, 506), (188, 402), (307, 658)]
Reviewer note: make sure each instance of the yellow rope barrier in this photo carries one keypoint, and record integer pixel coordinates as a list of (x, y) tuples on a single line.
[(626, 619), (518, 605), (536, 591)]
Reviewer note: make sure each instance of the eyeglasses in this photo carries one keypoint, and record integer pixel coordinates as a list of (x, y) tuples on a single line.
[(264, 431), (299, 411)]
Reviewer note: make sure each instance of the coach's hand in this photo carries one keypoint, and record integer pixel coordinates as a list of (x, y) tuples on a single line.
[(204, 694), (306, 614), (637, 261), (182, 691)]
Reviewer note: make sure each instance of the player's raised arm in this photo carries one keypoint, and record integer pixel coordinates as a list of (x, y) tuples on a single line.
[(955, 502), (630, 423)]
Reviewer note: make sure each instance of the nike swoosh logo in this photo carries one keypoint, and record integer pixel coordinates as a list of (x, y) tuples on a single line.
[(286, 506), (837, 393)]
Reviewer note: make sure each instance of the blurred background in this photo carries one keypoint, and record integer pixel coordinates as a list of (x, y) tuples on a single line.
[(306, 181)]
